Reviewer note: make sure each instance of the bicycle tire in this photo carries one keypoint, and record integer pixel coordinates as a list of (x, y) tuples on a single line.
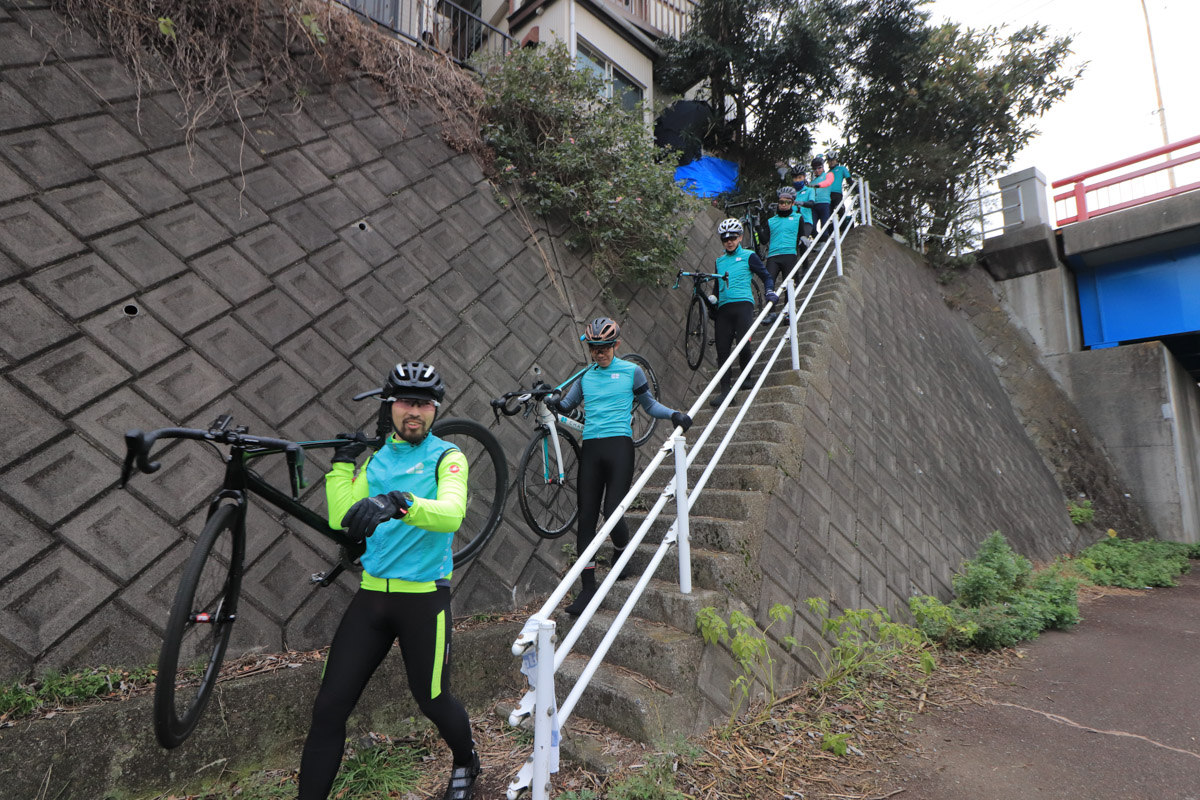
[(487, 483), (695, 334), (641, 423), (760, 297), (209, 587), (549, 506)]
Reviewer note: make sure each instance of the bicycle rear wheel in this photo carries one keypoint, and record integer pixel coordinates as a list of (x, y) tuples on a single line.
[(547, 492), (487, 483), (642, 423), (695, 334), (198, 628)]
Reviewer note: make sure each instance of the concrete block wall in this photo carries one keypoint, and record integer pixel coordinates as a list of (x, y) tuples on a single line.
[(912, 453), (144, 284)]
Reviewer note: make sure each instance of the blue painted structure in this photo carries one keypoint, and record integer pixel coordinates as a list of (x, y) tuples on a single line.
[(1140, 298)]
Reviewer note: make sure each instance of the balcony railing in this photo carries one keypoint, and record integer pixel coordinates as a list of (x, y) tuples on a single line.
[(438, 25), (660, 17)]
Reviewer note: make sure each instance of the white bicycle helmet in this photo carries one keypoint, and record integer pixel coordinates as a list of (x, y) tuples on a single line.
[(729, 226)]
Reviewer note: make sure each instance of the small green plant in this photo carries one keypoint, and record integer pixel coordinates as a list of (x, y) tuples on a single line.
[(382, 771), (835, 743), (55, 689), (654, 781), (866, 642), (1082, 512), (749, 647)]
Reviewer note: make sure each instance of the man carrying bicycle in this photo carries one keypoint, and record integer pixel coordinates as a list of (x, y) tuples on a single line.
[(406, 502), (735, 298), (608, 388)]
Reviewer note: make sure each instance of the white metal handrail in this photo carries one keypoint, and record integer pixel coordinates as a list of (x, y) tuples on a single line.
[(540, 702)]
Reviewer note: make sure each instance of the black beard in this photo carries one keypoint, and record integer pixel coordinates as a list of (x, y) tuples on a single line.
[(412, 438)]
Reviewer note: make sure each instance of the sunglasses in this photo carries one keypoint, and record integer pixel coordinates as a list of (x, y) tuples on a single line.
[(729, 238), (596, 348)]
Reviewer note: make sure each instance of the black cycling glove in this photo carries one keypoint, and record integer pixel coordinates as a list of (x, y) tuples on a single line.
[(364, 516), (681, 420), (552, 405), (348, 452)]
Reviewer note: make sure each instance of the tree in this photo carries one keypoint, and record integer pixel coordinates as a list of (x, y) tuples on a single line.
[(771, 65), (932, 111)]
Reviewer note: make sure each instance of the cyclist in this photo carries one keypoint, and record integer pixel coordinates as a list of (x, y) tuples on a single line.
[(784, 231), (735, 303), (608, 388), (840, 173), (821, 182), (406, 502)]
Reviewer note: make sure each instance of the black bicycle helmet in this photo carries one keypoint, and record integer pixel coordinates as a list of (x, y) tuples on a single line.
[(415, 380), (601, 330)]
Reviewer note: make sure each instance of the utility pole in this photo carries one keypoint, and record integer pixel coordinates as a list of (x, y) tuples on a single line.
[(1162, 112)]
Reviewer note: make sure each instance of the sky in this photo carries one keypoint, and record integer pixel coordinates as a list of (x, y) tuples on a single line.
[(1112, 111)]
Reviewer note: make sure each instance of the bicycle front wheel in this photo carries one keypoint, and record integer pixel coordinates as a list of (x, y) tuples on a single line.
[(548, 493), (695, 335), (642, 423), (487, 484), (198, 629)]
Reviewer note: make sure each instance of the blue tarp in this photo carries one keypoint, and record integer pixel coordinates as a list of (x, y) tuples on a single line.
[(708, 176)]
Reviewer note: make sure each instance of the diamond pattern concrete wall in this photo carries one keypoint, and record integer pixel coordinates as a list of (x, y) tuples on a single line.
[(144, 283)]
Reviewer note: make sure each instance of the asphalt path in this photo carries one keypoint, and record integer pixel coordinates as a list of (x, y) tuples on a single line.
[(1109, 709)]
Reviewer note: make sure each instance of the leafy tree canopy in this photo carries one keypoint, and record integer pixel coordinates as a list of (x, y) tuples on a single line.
[(933, 110)]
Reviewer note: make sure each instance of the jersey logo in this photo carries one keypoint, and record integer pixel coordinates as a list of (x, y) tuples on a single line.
[(455, 468), (615, 377), (416, 469)]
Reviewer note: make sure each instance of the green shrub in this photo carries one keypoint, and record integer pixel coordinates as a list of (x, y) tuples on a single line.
[(1000, 601), (569, 151), (866, 643), (1136, 564)]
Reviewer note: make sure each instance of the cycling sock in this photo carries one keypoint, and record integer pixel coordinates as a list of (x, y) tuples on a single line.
[(625, 573)]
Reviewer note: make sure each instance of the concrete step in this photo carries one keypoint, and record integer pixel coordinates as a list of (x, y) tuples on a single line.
[(647, 647), (627, 702), (721, 503), (742, 477), (725, 535)]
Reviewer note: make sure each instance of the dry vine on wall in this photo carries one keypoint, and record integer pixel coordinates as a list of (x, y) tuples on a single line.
[(221, 54)]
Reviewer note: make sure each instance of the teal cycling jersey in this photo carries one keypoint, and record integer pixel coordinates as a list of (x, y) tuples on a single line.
[(737, 266), (608, 392), (398, 550), (785, 230), (807, 194), (822, 184), (840, 173)]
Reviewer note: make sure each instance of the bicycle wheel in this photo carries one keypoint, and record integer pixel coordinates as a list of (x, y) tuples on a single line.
[(756, 288), (487, 483), (549, 502), (695, 334), (642, 423), (198, 629)]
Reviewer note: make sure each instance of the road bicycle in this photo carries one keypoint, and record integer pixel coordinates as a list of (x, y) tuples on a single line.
[(700, 310), (547, 492), (750, 224), (206, 602)]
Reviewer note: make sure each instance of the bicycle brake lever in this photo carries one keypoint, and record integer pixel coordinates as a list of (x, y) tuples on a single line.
[(295, 462)]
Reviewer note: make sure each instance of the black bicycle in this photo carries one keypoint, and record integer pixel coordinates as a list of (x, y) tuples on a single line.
[(206, 603), (754, 210), (700, 310)]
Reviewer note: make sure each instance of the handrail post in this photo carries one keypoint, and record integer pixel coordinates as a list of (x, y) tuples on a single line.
[(866, 192), (681, 518), (791, 312), (1081, 212), (543, 710), (837, 241)]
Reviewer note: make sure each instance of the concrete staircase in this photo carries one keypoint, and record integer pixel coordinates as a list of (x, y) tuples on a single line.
[(660, 679)]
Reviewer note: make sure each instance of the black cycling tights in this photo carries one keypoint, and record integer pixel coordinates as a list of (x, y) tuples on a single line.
[(371, 623), (732, 322), (605, 472)]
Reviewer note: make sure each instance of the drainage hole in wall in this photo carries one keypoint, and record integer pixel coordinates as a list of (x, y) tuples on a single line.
[(131, 310)]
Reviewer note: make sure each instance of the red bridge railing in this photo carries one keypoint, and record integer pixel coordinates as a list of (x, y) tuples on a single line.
[(1142, 185)]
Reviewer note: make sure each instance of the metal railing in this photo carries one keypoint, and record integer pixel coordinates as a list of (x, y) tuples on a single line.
[(1146, 184), (535, 646), (985, 215), (438, 25)]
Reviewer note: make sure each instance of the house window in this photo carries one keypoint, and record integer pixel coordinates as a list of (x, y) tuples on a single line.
[(616, 83)]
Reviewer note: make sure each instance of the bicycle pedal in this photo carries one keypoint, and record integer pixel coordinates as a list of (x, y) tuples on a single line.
[(316, 577)]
